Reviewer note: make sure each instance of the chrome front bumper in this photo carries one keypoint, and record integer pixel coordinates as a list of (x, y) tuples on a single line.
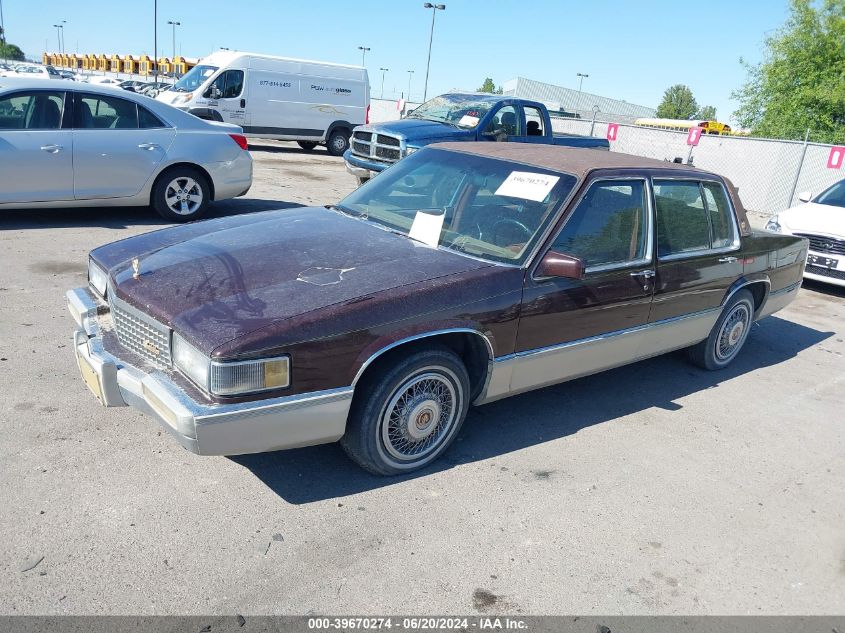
[(205, 429)]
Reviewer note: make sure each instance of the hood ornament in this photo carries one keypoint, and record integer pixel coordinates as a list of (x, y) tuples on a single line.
[(136, 268)]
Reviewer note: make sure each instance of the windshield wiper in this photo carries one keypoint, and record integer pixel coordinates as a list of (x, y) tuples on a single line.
[(347, 211)]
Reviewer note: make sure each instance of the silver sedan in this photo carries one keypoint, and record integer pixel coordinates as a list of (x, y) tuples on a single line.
[(64, 144)]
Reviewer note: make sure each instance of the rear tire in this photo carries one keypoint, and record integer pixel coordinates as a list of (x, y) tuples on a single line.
[(338, 142), (181, 194), (728, 335), (407, 411), (307, 145)]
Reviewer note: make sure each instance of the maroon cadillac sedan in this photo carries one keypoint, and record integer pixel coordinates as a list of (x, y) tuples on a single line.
[(465, 273)]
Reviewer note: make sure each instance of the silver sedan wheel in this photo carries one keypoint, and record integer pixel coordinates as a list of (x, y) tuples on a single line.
[(733, 333), (183, 196), (421, 415)]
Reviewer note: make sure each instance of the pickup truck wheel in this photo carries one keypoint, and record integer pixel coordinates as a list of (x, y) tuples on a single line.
[(338, 142), (307, 145), (181, 195), (728, 335), (408, 412)]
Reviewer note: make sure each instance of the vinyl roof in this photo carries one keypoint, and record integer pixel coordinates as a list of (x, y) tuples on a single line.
[(577, 161)]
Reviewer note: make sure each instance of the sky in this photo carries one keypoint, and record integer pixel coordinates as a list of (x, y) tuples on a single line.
[(630, 50)]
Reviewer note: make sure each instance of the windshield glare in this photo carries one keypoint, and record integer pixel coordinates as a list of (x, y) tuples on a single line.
[(488, 208), (834, 196), (194, 78), (463, 111)]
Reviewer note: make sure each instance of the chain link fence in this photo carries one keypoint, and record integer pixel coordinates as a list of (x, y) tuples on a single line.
[(768, 173)]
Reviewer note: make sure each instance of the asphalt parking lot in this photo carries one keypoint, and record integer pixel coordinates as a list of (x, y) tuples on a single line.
[(658, 488)]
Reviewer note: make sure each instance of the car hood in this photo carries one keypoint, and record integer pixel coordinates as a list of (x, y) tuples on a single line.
[(815, 218), (421, 130), (216, 283)]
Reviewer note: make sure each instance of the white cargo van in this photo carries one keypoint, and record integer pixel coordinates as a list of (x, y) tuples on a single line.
[(277, 97)]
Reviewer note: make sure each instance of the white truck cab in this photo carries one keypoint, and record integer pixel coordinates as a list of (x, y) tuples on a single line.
[(277, 97)]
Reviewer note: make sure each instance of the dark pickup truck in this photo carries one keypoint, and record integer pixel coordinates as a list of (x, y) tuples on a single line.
[(455, 117)]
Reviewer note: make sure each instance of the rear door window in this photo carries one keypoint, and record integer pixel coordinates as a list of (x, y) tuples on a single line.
[(721, 215), (104, 112), (682, 222)]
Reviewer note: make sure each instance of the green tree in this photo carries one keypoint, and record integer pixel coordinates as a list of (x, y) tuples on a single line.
[(490, 86), (11, 52), (678, 103), (800, 83), (706, 113)]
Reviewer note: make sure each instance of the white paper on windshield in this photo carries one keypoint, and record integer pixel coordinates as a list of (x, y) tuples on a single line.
[(524, 184), (426, 227), (469, 121)]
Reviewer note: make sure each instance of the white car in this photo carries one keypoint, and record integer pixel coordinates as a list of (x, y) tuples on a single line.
[(821, 219), (35, 72), (66, 144), (103, 81)]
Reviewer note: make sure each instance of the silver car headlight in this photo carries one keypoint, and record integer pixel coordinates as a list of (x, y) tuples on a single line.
[(230, 378), (773, 224), (97, 278), (410, 150)]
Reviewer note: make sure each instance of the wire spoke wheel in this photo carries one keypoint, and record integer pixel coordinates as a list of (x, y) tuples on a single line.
[(733, 332), (183, 196), (421, 414)]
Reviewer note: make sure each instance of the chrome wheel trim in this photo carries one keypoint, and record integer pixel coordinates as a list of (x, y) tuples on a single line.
[(420, 416), (183, 196), (733, 332)]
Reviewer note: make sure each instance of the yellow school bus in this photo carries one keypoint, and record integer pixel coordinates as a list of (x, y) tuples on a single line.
[(682, 125)]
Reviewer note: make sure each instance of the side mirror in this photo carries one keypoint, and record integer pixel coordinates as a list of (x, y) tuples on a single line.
[(556, 264), (805, 196), (213, 93)]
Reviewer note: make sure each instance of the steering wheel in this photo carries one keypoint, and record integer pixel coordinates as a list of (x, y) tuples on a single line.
[(515, 225)]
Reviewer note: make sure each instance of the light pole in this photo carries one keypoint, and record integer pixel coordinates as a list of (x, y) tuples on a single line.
[(410, 74), (596, 110), (3, 32), (174, 24), (581, 78), (363, 50), (155, 41), (383, 70), (59, 28), (434, 8), (62, 24)]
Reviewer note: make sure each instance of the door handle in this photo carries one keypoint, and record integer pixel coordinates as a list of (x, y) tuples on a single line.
[(727, 260), (148, 146), (243, 103), (645, 274), (53, 149)]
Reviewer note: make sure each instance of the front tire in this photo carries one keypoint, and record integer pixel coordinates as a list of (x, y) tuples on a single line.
[(181, 194), (307, 145), (728, 335), (338, 142), (407, 412)]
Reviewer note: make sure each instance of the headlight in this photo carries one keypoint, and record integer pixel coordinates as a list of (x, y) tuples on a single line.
[(250, 376), (98, 278), (230, 378), (773, 224), (410, 150), (190, 361), (184, 98)]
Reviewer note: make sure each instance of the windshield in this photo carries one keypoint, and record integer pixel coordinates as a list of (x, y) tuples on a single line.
[(834, 196), (463, 111), (194, 78), (488, 208)]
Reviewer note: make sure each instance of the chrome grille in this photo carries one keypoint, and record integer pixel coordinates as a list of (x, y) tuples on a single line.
[(380, 147), (822, 244), (140, 333)]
